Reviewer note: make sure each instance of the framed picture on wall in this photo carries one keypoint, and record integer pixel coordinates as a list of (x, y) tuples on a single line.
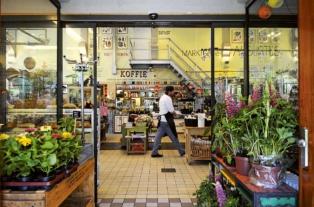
[(106, 30), (122, 30), (263, 35), (107, 43), (252, 35), (236, 35), (254, 71), (275, 36), (122, 42)]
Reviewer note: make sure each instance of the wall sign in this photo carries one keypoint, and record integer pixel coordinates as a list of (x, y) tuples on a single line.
[(133, 74)]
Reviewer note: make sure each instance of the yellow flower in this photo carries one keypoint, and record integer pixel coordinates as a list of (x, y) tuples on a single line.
[(4, 136), (25, 141), (66, 134), (45, 128)]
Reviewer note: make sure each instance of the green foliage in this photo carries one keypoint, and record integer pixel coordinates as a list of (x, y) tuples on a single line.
[(206, 194), (45, 149), (261, 128)]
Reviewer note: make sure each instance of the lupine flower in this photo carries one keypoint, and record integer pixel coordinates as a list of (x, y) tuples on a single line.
[(230, 104), (256, 93), (221, 197), (218, 178)]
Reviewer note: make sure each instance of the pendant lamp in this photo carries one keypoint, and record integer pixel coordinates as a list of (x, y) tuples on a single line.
[(275, 3), (199, 91), (264, 12)]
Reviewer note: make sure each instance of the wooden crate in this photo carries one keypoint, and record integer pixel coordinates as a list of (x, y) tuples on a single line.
[(79, 185), (78, 202), (201, 149)]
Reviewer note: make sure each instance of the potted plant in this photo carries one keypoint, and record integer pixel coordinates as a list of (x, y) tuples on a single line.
[(272, 132), (228, 129), (211, 193), (266, 128), (46, 154), (17, 154)]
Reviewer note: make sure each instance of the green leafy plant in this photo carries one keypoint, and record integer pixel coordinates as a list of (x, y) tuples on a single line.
[(17, 156), (211, 194), (266, 127), (43, 148)]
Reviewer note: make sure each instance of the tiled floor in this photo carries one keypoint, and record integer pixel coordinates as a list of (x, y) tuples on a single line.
[(137, 180)]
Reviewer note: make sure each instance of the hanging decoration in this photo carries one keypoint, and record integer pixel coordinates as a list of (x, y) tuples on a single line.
[(264, 12), (275, 3)]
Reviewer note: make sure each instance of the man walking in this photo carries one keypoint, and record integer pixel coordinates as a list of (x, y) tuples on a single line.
[(166, 125)]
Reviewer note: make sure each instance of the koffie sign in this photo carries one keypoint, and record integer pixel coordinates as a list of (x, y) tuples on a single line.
[(133, 74)]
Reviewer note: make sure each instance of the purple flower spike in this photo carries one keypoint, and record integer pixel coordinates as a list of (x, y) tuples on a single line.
[(221, 197)]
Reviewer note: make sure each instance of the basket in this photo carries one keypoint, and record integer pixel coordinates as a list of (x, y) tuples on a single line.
[(142, 124), (200, 149), (190, 122)]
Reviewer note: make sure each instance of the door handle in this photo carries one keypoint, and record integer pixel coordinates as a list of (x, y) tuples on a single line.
[(303, 144)]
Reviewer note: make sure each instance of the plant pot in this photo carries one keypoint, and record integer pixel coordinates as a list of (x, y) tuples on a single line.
[(6, 178), (243, 165), (59, 170), (24, 178), (268, 176), (46, 178), (68, 166)]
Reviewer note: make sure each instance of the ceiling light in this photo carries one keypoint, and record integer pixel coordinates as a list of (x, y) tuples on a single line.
[(74, 34), (199, 91)]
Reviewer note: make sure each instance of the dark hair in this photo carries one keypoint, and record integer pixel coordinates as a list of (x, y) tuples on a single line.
[(169, 88)]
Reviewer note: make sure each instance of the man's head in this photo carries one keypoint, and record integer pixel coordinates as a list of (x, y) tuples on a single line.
[(169, 89)]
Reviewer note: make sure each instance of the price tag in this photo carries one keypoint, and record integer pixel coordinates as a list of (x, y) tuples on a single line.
[(76, 114)]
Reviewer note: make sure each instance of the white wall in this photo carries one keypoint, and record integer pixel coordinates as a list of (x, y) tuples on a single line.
[(170, 7), (136, 7)]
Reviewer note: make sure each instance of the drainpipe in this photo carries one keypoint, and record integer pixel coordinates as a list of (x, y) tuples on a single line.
[(248, 4)]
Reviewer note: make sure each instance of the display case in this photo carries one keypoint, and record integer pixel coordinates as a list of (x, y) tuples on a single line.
[(19, 119), (185, 105), (146, 96), (73, 95)]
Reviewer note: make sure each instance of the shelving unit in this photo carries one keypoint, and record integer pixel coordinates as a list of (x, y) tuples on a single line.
[(188, 133), (283, 195), (127, 136)]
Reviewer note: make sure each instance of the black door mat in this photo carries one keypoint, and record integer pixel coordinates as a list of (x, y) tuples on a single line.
[(117, 146), (168, 170)]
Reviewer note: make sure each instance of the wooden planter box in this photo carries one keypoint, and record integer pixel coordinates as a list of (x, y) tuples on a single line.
[(80, 185)]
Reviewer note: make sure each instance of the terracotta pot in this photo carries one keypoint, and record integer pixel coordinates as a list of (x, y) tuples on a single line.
[(243, 165), (266, 174), (264, 12)]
